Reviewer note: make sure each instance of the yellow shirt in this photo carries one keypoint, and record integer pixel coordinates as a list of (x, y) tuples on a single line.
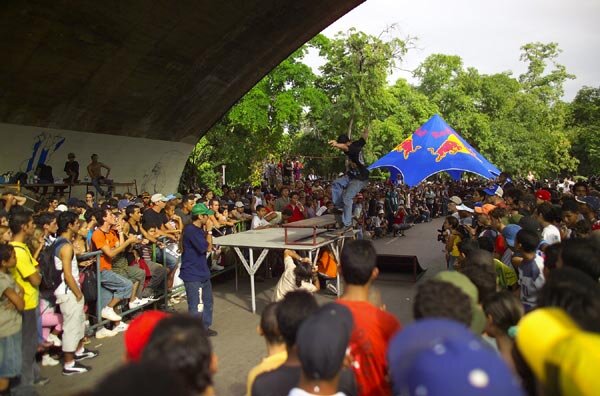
[(26, 266), (268, 364)]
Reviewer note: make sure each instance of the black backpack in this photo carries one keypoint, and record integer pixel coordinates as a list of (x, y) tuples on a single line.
[(51, 277)]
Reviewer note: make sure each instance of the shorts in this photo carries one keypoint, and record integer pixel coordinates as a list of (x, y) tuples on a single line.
[(73, 321), (10, 355)]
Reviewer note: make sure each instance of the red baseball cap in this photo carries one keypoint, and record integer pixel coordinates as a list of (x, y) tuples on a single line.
[(139, 332), (544, 195)]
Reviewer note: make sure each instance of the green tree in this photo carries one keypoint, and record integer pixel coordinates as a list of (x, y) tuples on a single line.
[(584, 122)]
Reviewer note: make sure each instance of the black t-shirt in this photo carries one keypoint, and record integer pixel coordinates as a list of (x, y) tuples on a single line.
[(355, 155), (281, 381), (153, 219), (72, 166)]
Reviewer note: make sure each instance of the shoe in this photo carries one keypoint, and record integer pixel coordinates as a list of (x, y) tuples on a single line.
[(338, 211), (104, 332), (41, 381), (76, 368), (121, 327), (152, 298), (331, 287), (138, 303), (216, 267), (86, 354), (48, 360), (211, 332), (110, 314), (54, 340)]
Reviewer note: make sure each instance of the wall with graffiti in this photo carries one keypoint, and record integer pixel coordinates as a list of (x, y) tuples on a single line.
[(156, 165)]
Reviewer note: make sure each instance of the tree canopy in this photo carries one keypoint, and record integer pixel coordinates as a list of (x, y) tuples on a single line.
[(520, 124)]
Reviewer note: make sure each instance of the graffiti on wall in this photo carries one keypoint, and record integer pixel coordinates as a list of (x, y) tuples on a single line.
[(43, 148), (155, 178)]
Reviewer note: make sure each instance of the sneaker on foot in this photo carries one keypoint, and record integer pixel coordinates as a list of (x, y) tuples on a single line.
[(121, 327), (86, 354), (152, 298), (104, 332), (216, 267), (48, 360), (110, 314), (211, 332), (53, 338), (137, 303), (76, 368)]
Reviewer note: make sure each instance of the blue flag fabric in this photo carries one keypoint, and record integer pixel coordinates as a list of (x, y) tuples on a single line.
[(432, 148)]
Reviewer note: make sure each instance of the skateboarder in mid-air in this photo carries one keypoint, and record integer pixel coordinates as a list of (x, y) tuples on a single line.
[(345, 188)]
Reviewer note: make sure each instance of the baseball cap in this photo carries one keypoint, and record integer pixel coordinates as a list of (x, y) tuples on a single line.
[(542, 194), (494, 190), (464, 208), (239, 204), (170, 197), (158, 197), (466, 286), (437, 356), (322, 341), (343, 139), (485, 208), (456, 199), (202, 209), (139, 332), (510, 233), (560, 354), (591, 201)]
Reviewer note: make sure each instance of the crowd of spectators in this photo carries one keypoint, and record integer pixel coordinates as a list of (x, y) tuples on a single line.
[(508, 316)]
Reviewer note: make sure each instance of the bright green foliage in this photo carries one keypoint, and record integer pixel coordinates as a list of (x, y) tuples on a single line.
[(520, 124)]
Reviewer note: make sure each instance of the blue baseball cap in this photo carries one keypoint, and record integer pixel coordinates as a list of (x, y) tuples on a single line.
[(437, 357), (494, 190), (510, 233)]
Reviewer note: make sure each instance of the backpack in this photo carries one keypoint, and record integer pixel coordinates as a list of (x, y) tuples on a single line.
[(89, 283), (51, 277)]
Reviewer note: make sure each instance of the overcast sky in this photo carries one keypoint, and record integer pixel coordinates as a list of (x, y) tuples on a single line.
[(488, 34)]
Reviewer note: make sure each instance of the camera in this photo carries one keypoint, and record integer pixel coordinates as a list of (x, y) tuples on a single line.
[(441, 237)]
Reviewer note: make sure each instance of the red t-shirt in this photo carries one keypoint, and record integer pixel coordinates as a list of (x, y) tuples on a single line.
[(296, 214), (499, 245), (373, 330)]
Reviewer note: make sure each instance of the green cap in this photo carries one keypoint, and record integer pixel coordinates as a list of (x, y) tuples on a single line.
[(201, 209), (466, 286)]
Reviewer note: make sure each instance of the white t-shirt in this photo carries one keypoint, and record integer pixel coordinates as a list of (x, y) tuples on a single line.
[(63, 288), (301, 392), (287, 282), (258, 222), (551, 234)]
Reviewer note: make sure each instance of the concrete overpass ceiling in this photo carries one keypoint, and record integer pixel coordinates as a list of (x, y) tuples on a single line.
[(165, 70)]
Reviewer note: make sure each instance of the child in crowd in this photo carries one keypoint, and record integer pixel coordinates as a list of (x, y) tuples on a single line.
[(531, 276), (11, 305), (5, 234), (503, 311), (276, 351)]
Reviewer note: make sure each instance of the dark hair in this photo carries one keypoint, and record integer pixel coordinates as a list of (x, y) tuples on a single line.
[(358, 259), (180, 343), (498, 213), (528, 240), (16, 221), (64, 220), (291, 312), (528, 203), (343, 139), (439, 299), (259, 207), (286, 212), (582, 228), (95, 213), (505, 309), (552, 254), (102, 214), (576, 293), (6, 251), (44, 218), (570, 205), (486, 243), (466, 246), (149, 379), (480, 258), (91, 193), (483, 277), (582, 254), (549, 212), (452, 221), (513, 193), (129, 210), (580, 184), (302, 272), (268, 324)]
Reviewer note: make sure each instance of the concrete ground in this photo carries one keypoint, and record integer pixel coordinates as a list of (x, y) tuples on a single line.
[(238, 346)]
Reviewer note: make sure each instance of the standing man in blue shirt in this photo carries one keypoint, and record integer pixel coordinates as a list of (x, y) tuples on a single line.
[(197, 242)]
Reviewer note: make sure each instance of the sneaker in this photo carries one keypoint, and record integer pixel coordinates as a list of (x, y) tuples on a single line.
[(110, 314), (48, 360), (216, 267), (331, 287), (211, 332), (104, 332), (121, 327), (54, 340), (41, 381), (86, 354), (137, 303), (152, 298), (76, 368)]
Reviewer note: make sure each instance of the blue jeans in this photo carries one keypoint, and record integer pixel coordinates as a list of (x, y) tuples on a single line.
[(343, 191), (196, 291), (171, 259), (97, 181), (113, 285)]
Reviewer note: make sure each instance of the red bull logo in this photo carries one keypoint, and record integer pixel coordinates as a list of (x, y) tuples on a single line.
[(406, 147), (451, 146)]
